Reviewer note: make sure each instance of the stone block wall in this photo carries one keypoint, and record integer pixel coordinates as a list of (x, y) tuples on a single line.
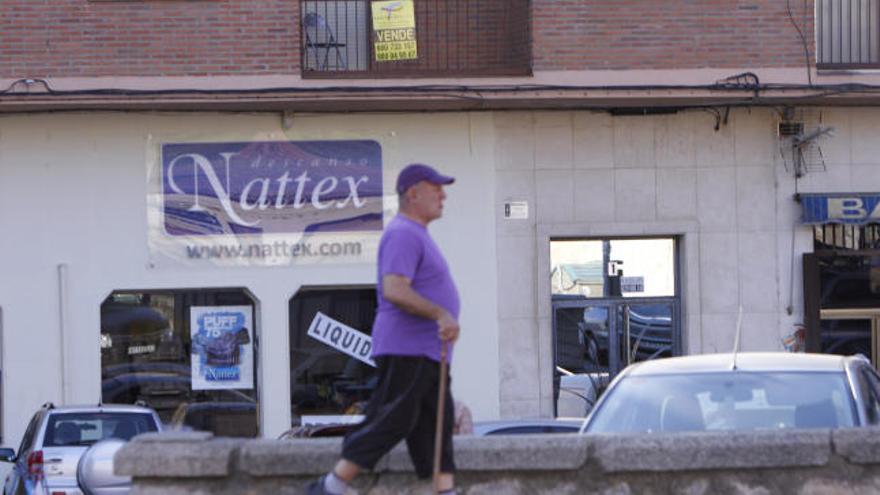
[(713, 181), (778, 462)]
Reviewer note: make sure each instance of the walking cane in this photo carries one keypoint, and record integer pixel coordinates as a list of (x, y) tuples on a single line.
[(441, 408)]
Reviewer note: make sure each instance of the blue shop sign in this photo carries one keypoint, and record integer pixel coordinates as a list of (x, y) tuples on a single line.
[(847, 208)]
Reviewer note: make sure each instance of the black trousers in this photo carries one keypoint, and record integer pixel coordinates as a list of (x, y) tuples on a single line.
[(403, 406)]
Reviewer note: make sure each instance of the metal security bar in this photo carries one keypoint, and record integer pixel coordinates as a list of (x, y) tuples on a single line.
[(848, 34), (457, 38), (834, 237)]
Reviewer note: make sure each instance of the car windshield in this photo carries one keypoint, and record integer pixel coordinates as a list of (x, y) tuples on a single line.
[(84, 428), (722, 401)]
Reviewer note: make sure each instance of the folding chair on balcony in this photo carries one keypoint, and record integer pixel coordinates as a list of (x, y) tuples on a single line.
[(319, 38)]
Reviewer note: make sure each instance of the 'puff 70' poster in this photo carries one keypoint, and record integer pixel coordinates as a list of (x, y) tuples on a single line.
[(222, 347)]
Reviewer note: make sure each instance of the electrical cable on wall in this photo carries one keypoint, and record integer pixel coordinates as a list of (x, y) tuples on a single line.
[(803, 38), (739, 82)]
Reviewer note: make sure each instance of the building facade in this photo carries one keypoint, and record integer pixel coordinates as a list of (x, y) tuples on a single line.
[(191, 193)]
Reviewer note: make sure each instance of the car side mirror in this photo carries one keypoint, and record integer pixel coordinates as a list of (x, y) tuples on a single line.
[(7, 455)]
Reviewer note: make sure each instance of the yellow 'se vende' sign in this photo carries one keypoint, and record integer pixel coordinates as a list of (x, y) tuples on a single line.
[(394, 30)]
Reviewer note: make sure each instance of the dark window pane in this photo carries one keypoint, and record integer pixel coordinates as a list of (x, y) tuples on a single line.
[(650, 331), (846, 337), (324, 380), (849, 281), (582, 339), (147, 356)]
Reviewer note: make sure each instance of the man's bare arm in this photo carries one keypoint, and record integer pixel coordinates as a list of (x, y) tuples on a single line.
[(398, 290)]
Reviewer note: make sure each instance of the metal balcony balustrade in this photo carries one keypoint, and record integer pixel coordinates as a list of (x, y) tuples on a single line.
[(454, 38), (848, 34)]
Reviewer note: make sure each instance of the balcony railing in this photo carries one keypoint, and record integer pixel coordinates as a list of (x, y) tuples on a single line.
[(848, 34), (452, 38)]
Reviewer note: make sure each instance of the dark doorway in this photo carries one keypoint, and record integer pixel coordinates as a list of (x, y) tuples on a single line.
[(842, 302)]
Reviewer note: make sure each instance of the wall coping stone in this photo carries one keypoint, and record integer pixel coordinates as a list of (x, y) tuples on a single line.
[(787, 462), (294, 457), (177, 455), (174, 436), (699, 450), (159, 455), (858, 445)]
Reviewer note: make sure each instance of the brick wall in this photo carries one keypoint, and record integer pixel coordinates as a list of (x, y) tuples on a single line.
[(80, 38), (40, 38), (659, 34)]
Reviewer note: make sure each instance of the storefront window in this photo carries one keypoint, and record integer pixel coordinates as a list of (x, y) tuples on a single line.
[(331, 374), (188, 354), (613, 267)]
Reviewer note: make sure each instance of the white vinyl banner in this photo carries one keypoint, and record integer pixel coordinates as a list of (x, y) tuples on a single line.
[(264, 202), (341, 337), (222, 347)]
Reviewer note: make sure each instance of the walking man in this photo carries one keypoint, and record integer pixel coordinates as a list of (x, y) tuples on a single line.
[(418, 308)]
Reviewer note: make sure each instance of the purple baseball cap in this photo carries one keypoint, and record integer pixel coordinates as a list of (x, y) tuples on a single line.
[(417, 172)]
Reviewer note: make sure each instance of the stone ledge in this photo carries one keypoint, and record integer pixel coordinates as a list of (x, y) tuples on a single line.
[(296, 457), (193, 455), (547, 452), (500, 453), (718, 463), (858, 445), (174, 436), (704, 451), (176, 455)]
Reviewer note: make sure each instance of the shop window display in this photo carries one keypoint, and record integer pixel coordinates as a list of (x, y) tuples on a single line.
[(188, 354), (330, 372)]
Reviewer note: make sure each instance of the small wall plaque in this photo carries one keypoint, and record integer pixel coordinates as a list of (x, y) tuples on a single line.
[(516, 210)]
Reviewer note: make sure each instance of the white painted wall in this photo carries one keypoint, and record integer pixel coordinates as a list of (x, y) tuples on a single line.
[(72, 193)]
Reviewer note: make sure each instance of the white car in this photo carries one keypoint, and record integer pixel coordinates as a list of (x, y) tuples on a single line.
[(742, 392), (56, 438)]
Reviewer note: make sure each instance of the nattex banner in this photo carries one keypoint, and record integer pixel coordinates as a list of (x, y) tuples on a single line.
[(279, 201)]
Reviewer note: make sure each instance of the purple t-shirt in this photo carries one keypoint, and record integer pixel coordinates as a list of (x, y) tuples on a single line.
[(406, 249)]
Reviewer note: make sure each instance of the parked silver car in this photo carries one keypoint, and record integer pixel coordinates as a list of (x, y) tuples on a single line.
[(748, 391), (527, 426), (56, 438)]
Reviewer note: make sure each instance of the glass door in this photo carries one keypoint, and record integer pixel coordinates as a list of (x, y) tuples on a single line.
[(851, 331), (615, 301), (589, 340), (645, 331), (582, 340)]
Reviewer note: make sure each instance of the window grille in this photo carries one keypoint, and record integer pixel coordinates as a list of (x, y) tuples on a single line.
[(831, 237), (848, 34), (453, 37)]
